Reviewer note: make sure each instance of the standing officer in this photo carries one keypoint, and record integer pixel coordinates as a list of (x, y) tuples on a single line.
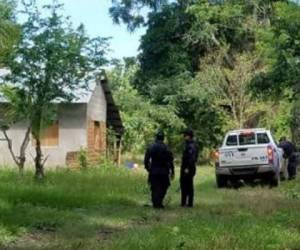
[(188, 169), (289, 150), (159, 164)]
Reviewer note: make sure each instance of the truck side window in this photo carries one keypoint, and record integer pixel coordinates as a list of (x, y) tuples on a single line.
[(231, 140), (262, 138)]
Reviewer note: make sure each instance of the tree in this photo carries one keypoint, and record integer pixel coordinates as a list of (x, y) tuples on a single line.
[(281, 47), (17, 109), (131, 12), (140, 123), (229, 88), (163, 50), (50, 62), (201, 57), (169, 60)]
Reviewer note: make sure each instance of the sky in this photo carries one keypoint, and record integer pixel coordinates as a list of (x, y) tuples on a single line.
[(96, 19)]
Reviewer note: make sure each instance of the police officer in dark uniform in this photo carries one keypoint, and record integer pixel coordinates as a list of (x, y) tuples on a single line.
[(159, 164), (188, 169), (289, 150)]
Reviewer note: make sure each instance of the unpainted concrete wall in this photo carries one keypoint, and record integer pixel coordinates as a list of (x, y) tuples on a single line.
[(97, 106)]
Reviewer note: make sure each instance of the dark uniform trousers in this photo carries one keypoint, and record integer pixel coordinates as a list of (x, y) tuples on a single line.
[(159, 185), (292, 166), (289, 153), (187, 173), (187, 190)]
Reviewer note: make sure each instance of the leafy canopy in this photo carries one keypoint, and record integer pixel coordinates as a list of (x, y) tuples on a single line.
[(211, 60)]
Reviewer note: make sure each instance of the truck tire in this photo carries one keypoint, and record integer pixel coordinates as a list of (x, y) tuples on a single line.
[(275, 180), (221, 181)]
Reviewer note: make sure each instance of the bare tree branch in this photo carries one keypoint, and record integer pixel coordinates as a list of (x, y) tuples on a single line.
[(10, 147), (45, 160)]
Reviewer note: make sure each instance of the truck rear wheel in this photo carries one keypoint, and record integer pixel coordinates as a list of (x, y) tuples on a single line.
[(221, 181)]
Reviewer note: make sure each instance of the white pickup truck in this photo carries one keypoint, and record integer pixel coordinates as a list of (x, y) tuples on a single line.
[(249, 154)]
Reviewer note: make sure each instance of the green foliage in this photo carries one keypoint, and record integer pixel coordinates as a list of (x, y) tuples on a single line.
[(9, 30), (18, 106), (131, 12), (66, 57), (168, 64), (229, 88), (198, 113), (176, 103), (218, 24), (280, 43), (202, 58), (83, 159), (164, 52), (296, 121), (140, 117)]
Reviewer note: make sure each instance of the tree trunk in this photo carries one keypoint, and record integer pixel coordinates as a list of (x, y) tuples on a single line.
[(39, 166), (22, 157), (10, 147)]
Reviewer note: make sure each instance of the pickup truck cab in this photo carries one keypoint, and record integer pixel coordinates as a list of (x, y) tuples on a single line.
[(249, 154)]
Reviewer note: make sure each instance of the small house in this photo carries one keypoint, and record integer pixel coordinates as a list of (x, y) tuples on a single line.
[(79, 125)]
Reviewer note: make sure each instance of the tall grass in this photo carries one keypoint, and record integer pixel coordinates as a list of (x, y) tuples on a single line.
[(104, 208)]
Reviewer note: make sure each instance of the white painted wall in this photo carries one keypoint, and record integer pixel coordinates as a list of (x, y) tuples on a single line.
[(72, 136), (97, 105)]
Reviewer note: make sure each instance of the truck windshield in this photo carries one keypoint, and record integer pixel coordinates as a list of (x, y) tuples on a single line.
[(247, 139)]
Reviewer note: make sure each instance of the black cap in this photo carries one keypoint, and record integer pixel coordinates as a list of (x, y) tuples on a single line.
[(188, 132), (160, 135)]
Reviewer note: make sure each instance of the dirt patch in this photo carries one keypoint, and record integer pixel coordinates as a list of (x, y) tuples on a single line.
[(106, 233), (33, 240)]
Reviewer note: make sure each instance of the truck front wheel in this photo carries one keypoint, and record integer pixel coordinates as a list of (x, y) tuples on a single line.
[(221, 181)]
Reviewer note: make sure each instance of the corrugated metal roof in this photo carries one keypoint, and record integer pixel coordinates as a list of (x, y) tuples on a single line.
[(84, 95)]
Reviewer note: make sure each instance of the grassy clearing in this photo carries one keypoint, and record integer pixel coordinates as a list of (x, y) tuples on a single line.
[(103, 208)]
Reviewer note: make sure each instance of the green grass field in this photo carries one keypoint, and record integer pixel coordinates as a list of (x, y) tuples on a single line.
[(104, 208)]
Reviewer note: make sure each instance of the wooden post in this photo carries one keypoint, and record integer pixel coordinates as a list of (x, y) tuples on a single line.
[(115, 152), (120, 152)]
